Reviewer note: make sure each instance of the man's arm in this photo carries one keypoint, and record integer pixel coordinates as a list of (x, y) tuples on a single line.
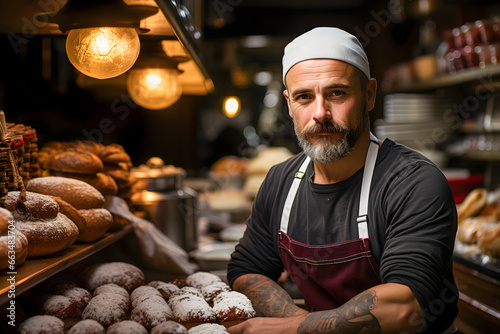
[(386, 308)]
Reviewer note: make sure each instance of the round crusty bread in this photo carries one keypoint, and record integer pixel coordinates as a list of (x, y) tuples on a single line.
[(69, 211), (36, 206), (98, 221), (5, 217), (77, 193), (16, 242), (48, 236), (75, 161), (113, 154), (473, 203), (101, 181)]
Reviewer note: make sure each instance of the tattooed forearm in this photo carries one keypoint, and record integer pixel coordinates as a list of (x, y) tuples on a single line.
[(353, 317), (268, 298)]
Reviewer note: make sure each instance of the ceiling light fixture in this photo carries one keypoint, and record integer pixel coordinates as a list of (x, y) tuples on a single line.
[(153, 82), (103, 39)]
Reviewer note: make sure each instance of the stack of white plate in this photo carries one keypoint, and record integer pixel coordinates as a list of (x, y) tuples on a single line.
[(415, 118), (420, 121)]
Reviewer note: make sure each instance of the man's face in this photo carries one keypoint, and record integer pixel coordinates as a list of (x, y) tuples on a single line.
[(328, 107)]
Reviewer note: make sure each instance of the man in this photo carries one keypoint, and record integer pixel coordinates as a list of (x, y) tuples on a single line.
[(365, 229)]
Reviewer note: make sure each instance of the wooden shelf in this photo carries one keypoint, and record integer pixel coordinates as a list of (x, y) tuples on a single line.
[(36, 270), (468, 75)]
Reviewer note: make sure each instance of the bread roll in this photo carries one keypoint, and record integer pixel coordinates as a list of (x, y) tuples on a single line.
[(101, 181), (114, 154), (36, 206), (11, 240), (75, 161), (69, 211), (48, 236), (79, 194), (97, 222), (488, 241), (474, 202)]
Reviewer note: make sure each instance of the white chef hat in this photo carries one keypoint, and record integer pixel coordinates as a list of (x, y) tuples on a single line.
[(325, 43)]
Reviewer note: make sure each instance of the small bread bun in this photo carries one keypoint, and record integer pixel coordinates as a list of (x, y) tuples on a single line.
[(63, 301), (169, 327), (474, 202), (48, 236), (122, 274), (114, 154), (5, 218), (97, 222), (88, 326), (208, 328), (75, 161), (77, 193), (20, 248), (69, 211), (127, 327), (101, 181), (488, 241), (42, 324), (36, 206)]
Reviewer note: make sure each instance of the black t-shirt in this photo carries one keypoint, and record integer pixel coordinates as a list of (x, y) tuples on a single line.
[(412, 223)]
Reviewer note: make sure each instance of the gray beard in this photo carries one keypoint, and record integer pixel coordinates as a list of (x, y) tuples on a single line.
[(325, 151)]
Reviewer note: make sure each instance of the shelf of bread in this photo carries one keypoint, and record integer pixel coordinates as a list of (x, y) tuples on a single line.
[(35, 270)]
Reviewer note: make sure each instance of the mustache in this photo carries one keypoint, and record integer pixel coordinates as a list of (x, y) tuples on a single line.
[(326, 127)]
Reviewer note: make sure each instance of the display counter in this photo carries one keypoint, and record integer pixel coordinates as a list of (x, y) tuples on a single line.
[(478, 281)]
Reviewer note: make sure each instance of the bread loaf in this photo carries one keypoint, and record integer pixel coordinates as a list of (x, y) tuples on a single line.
[(75, 161), (46, 233), (69, 211), (79, 194), (104, 183), (48, 236), (97, 221), (474, 202), (13, 243)]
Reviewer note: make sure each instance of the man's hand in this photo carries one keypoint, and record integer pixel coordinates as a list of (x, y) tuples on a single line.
[(268, 298), (267, 325)]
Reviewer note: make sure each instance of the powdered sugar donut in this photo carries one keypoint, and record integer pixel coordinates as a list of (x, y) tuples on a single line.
[(141, 292), (190, 310), (201, 278), (117, 291), (211, 291), (105, 309), (42, 324), (169, 327), (64, 301), (187, 290), (127, 327), (208, 329), (150, 314), (155, 284), (88, 326), (167, 289), (123, 274), (232, 307)]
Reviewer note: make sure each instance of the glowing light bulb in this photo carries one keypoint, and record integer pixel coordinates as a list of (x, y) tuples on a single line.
[(154, 88), (231, 106), (103, 52)]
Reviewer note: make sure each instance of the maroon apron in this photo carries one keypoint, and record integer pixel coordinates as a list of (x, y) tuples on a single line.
[(330, 275)]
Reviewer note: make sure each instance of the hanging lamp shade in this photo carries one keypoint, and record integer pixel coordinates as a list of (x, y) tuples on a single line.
[(153, 82), (103, 39)]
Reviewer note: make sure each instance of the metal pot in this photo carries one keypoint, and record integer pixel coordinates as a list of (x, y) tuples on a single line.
[(167, 203)]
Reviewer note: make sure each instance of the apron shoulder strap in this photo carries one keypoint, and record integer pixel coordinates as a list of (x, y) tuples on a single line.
[(291, 194)]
